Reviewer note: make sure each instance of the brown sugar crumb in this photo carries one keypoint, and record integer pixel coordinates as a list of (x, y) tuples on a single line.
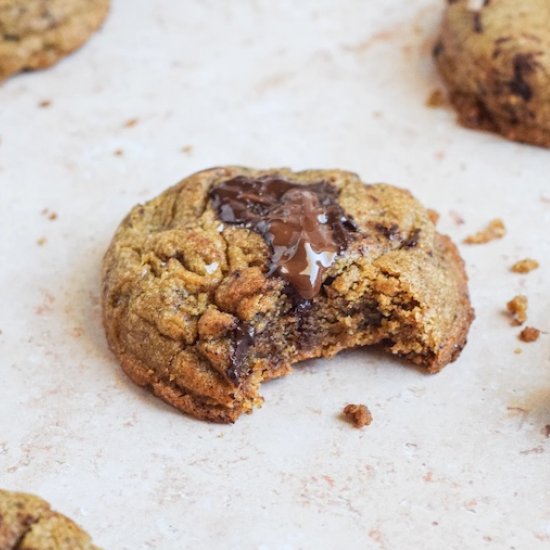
[(118, 153), (494, 230), (187, 149), (524, 266), (436, 99), (517, 307), (529, 334), (358, 415), (41, 241), (130, 123), (44, 104)]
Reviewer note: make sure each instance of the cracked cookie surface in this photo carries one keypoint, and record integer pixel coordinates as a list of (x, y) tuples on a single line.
[(35, 34), (195, 311), (494, 56), (28, 523)]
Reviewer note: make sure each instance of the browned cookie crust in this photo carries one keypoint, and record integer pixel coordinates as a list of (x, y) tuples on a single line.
[(494, 56), (35, 34), (191, 310), (28, 523)]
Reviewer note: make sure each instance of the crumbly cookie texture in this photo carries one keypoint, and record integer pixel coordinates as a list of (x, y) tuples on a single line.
[(28, 523), (195, 312), (495, 59), (35, 34)]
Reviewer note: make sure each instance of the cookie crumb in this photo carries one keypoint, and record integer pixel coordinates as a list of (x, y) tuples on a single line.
[(118, 152), (50, 214), (524, 266), (517, 307), (41, 241), (358, 415), (529, 334), (546, 430), (494, 230), (187, 149), (433, 215), (436, 99), (517, 351), (44, 104), (130, 123)]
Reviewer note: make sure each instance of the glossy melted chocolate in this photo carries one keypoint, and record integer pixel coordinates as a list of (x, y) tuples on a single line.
[(304, 225)]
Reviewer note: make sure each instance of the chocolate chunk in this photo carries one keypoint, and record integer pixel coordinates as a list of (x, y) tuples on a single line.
[(304, 225), (243, 337), (524, 64)]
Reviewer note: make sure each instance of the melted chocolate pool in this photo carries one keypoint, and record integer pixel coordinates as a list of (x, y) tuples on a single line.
[(303, 224)]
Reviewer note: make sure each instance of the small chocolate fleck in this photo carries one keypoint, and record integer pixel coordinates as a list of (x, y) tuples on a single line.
[(438, 48), (478, 25), (412, 240), (391, 232), (523, 65), (243, 338)]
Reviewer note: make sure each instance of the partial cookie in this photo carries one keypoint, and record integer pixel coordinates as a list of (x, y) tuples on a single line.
[(35, 34), (495, 58), (233, 275), (28, 523)]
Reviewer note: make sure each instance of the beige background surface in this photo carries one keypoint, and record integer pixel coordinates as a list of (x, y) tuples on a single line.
[(457, 460)]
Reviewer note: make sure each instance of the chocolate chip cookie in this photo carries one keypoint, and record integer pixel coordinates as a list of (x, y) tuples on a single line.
[(28, 523), (233, 275), (35, 34), (494, 56)]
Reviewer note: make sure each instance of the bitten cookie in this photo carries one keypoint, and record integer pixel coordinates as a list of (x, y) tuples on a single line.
[(233, 275), (35, 34), (494, 56), (28, 523)]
